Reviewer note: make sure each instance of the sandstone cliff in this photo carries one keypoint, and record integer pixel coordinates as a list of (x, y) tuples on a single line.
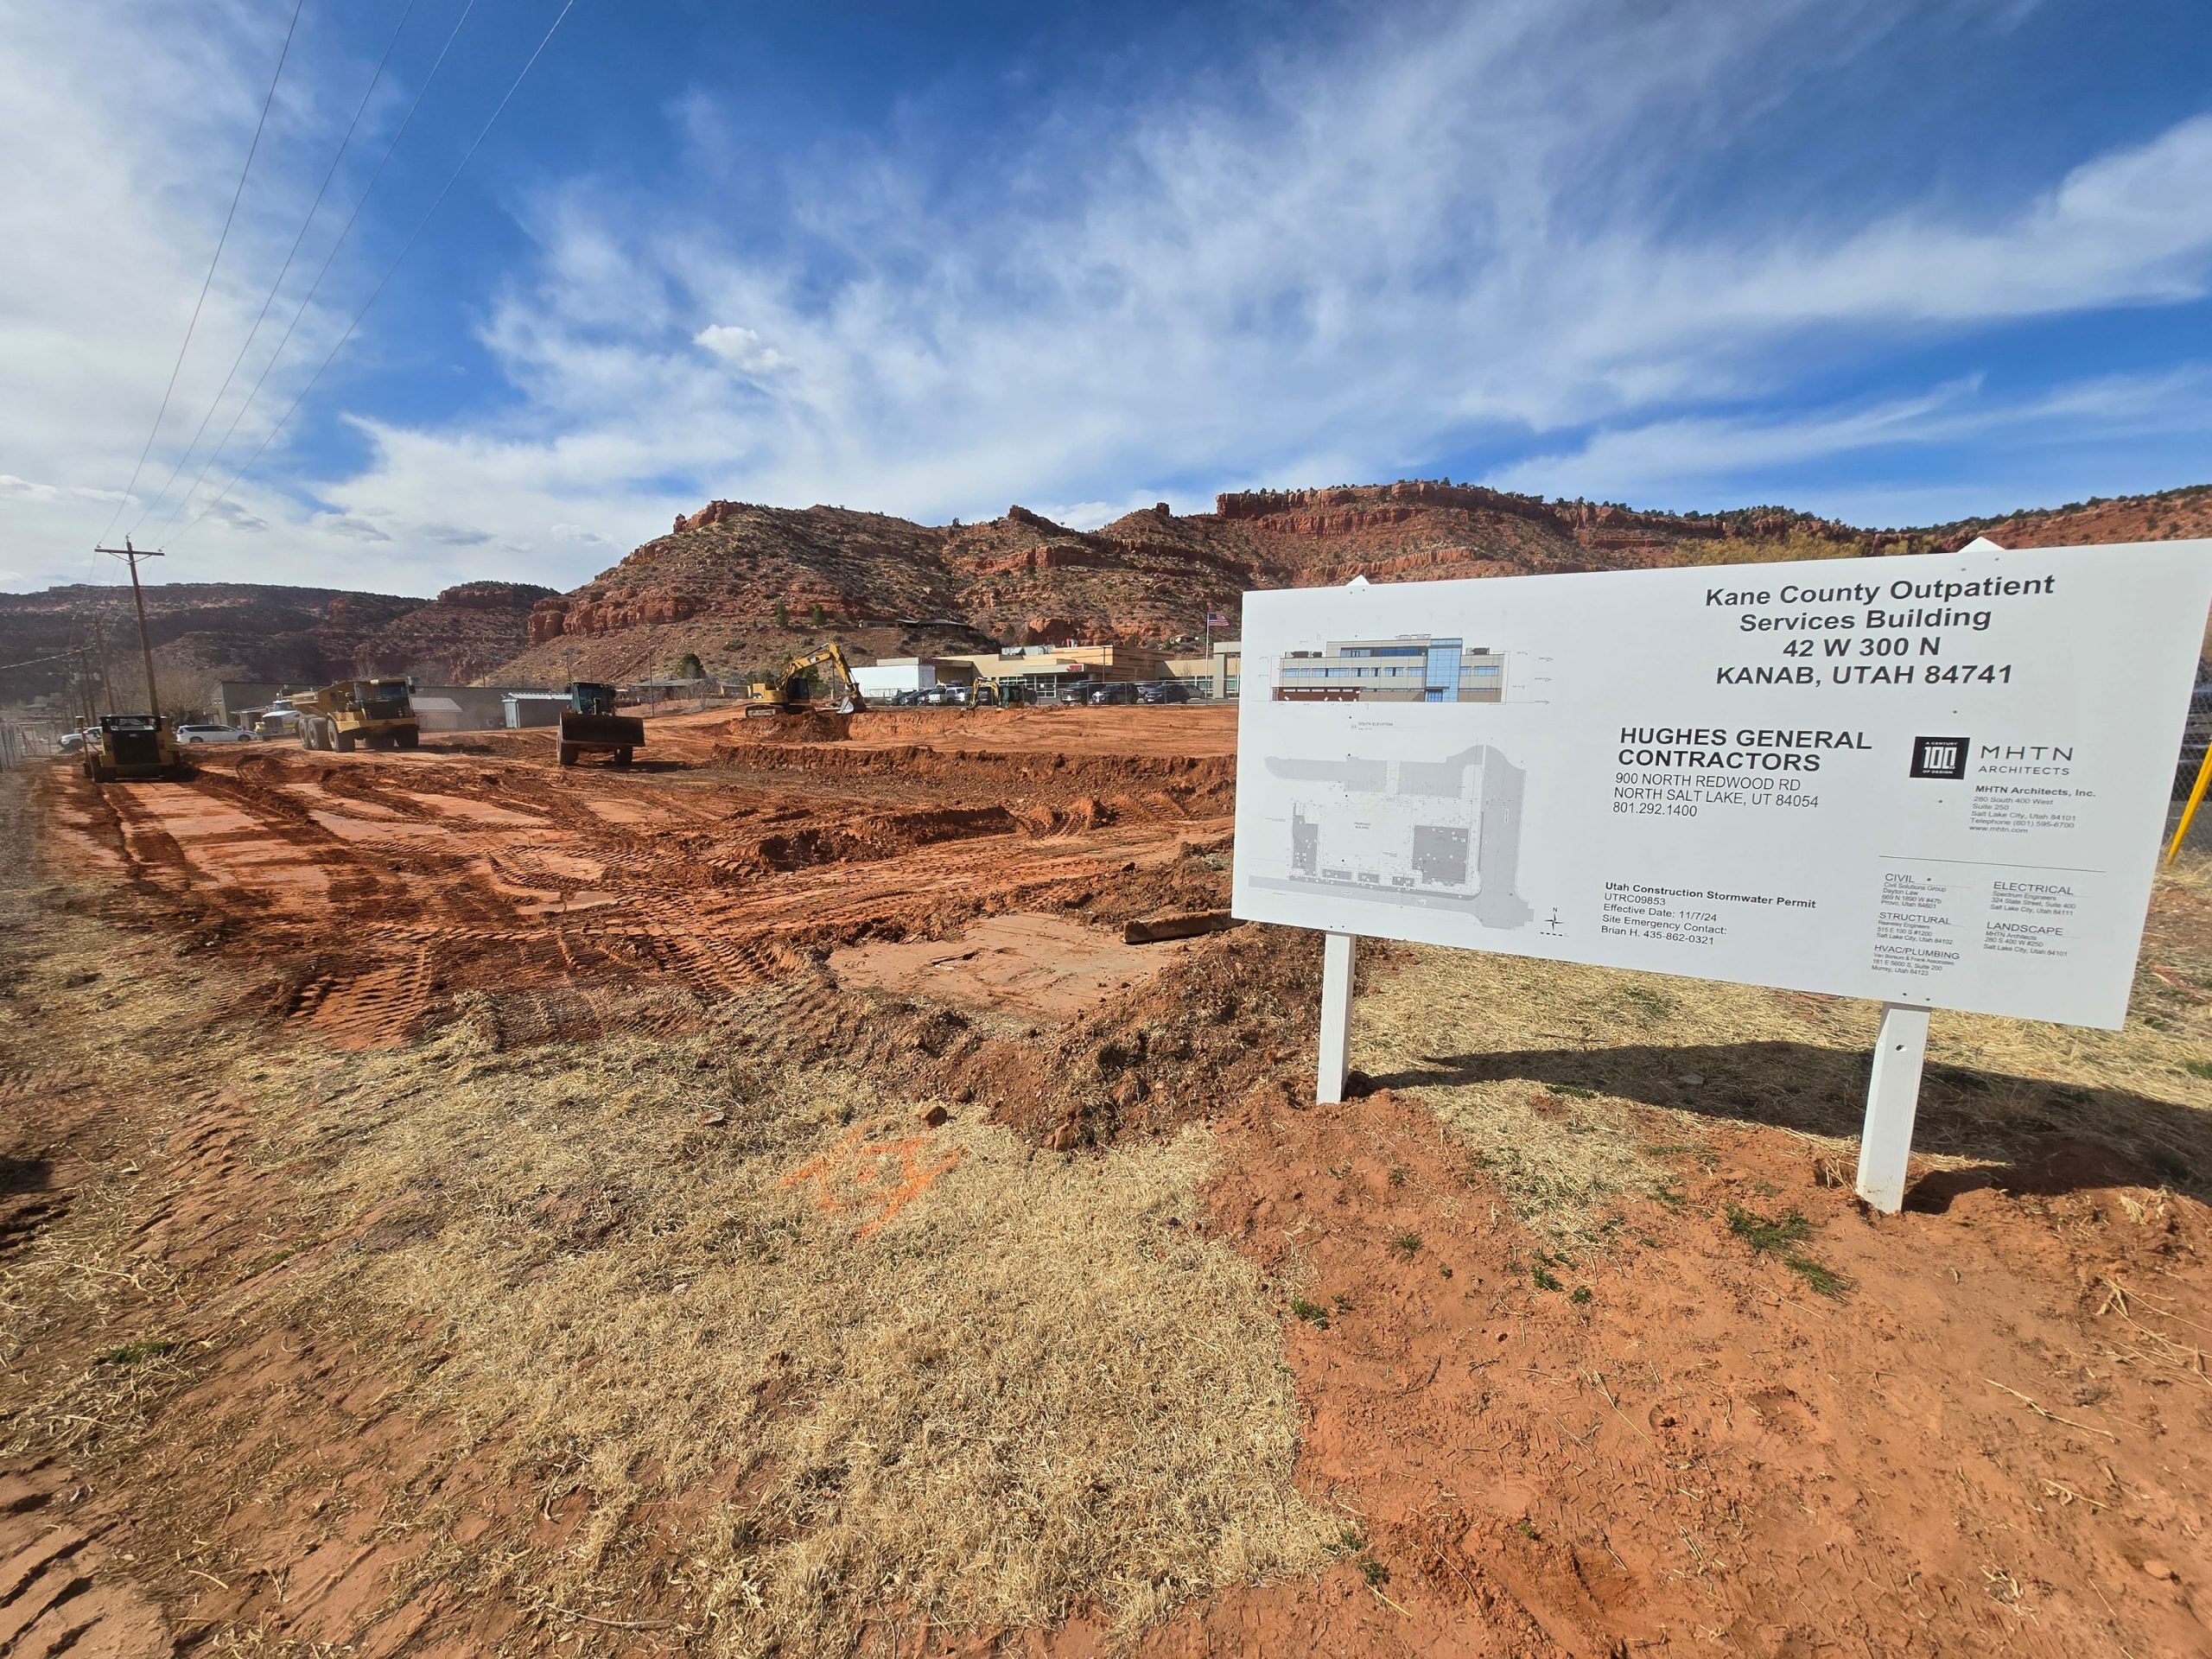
[(717, 584), (204, 633)]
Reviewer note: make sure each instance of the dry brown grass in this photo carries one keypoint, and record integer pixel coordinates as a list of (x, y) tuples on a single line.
[(1578, 1088), (1028, 1389), (91, 1015)]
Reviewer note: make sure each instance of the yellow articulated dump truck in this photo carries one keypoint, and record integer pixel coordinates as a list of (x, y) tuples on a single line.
[(126, 748), (590, 726), (367, 714)]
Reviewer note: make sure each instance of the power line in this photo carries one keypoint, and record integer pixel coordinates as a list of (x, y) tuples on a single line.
[(421, 225), (206, 282), (31, 661), (316, 288), (247, 344)]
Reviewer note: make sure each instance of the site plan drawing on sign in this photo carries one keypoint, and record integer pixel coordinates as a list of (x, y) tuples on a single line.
[(1934, 781)]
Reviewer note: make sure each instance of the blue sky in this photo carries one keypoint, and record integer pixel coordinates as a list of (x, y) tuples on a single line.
[(1895, 260)]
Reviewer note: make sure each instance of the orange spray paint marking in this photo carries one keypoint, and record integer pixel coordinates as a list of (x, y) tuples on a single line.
[(851, 1177)]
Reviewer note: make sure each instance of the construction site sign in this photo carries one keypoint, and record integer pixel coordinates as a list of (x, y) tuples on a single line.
[(1937, 781)]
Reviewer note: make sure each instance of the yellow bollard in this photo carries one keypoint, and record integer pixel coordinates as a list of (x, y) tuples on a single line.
[(2196, 797)]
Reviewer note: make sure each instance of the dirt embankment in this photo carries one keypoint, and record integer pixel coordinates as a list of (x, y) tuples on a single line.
[(452, 1204)]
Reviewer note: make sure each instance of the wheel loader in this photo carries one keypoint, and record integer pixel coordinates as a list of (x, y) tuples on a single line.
[(133, 747), (371, 714), (784, 692), (590, 726)]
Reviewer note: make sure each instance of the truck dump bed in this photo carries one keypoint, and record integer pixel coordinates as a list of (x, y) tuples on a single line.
[(615, 735)]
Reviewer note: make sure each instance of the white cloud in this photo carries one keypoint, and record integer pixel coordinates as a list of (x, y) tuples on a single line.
[(1450, 226), (454, 535), (740, 348), (1358, 266), (358, 530), (1639, 463), (237, 516)]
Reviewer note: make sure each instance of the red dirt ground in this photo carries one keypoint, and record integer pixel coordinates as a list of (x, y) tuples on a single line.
[(1999, 1441), (368, 891)]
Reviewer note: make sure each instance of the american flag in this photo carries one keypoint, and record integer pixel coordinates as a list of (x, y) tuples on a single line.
[(1216, 619)]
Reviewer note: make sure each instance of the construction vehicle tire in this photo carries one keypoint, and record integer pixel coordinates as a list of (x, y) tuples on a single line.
[(342, 741), (567, 754), (621, 757), (410, 739), (103, 774)]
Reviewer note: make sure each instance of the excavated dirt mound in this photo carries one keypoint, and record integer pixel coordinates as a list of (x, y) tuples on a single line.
[(814, 726)]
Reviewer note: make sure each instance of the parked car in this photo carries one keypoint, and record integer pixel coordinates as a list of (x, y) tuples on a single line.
[(1114, 692), (211, 731), (1076, 693), (70, 743), (1166, 691)]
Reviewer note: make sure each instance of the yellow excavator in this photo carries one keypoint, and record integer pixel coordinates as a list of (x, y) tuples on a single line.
[(784, 692)]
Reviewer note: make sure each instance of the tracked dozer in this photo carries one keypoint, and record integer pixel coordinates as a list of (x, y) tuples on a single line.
[(590, 726), (785, 691), (126, 748), (366, 714)]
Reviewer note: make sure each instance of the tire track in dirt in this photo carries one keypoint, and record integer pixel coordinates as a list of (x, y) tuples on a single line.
[(371, 891), (59, 1589)]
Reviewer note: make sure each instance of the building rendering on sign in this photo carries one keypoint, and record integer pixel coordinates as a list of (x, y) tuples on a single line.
[(1409, 668), (1438, 834)]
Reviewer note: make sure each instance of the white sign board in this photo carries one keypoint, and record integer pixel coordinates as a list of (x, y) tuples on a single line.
[(1933, 781)]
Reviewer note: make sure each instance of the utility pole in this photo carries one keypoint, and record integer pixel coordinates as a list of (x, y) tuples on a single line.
[(131, 556), (107, 674), (82, 662)]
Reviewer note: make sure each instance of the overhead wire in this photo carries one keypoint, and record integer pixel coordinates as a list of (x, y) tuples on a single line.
[(270, 299), (421, 225), (59, 656), (207, 282), (328, 259)]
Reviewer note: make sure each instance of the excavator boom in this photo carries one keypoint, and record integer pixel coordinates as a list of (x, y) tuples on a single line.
[(781, 693)]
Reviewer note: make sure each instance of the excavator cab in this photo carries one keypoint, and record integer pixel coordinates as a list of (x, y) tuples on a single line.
[(785, 691), (591, 697)]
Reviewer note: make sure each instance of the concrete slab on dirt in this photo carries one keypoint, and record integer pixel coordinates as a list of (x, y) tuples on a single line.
[(1043, 965)]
